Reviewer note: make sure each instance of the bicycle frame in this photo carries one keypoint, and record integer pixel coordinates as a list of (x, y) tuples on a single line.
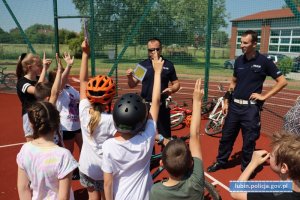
[(177, 114), (216, 118), (217, 115), (8, 79)]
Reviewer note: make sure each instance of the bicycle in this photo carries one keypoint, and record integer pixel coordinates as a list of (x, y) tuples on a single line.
[(182, 115), (216, 117), (8, 79), (177, 113), (209, 189)]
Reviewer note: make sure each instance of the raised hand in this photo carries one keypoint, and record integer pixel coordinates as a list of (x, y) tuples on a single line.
[(46, 62), (85, 47), (198, 92), (59, 64), (68, 59), (157, 63)]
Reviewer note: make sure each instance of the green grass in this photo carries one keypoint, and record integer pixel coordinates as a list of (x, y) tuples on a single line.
[(13, 51), (189, 62)]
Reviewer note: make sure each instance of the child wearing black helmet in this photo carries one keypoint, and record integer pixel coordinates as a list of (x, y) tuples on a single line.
[(96, 125), (126, 158)]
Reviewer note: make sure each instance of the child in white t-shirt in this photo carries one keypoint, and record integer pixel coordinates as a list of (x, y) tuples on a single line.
[(44, 168), (126, 158), (68, 106), (96, 125)]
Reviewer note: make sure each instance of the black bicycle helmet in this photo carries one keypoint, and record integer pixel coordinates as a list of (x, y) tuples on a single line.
[(130, 113)]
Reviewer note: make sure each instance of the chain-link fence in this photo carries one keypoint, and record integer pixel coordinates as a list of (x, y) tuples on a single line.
[(119, 30)]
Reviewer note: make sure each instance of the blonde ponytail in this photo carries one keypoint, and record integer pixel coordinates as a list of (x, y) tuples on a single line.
[(95, 113)]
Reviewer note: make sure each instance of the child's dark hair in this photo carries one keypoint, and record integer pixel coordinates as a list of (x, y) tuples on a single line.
[(42, 90), (286, 149), (44, 118), (52, 75), (177, 158)]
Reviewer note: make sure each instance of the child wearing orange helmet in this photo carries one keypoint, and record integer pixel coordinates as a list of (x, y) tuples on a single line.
[(96, 125)]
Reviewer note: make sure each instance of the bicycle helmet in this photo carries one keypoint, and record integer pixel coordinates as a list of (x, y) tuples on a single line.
[(130, 114), (100, 89)]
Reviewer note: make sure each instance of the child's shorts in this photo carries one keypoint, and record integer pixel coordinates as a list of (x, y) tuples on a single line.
[(28, 131), (69, 135), (97, 185)]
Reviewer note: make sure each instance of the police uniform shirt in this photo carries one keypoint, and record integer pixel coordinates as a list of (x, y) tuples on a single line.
[(168, 74), (251, 74)]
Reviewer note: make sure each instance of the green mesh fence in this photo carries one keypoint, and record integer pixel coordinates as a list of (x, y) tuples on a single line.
[(119, 30)]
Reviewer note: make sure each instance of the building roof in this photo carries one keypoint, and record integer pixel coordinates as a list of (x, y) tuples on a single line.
[(268, 14)]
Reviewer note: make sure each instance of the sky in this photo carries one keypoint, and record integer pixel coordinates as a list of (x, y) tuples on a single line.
[(29, 12)]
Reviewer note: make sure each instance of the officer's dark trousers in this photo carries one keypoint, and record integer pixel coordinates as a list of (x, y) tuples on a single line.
[(163, 122), (244, 117)]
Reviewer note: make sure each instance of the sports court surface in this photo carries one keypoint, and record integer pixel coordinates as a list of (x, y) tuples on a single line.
[(12, 137)]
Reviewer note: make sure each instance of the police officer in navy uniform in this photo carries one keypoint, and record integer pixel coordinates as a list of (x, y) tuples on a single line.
[(243, 101), (168, 75)]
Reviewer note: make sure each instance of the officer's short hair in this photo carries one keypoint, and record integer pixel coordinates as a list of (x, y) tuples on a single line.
[(154, 39), (252, 33)]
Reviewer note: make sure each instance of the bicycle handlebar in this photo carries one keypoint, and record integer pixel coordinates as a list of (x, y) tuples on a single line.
[(3, 68)]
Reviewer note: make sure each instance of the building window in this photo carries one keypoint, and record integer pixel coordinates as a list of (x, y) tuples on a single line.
[(296, 32), (284, 40), (273, 47), (284, 48), (296, 41), (275, 32), (295, 49)]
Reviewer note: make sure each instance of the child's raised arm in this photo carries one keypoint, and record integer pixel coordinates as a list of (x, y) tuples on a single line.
[(57, 82), (83, 76), (69, 60), (46, 65), (195, 146), (157, 66)]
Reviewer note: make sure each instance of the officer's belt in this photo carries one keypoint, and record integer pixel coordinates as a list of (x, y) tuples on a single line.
[(244, 102)]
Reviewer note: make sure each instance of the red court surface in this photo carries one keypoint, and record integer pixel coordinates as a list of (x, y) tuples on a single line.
[(11, 135)]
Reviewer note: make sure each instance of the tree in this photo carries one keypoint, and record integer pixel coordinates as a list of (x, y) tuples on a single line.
[(296, 2), (16, 36), (220, 39), (40, 34), (66, 35), (172, 22), (4, 36)]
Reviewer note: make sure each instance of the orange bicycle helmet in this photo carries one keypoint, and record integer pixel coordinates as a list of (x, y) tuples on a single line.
[(100, 89)]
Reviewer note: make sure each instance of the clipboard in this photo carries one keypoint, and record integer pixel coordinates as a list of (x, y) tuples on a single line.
[(139, 72)]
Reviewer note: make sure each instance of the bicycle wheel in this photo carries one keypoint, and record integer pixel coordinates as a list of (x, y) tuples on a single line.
[(211, 190), (10, 80), (213, 127), (176, 119)]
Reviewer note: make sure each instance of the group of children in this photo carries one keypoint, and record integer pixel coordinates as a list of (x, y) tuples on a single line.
[(115, 148)]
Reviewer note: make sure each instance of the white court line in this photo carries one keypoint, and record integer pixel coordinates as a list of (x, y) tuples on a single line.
[(216, 181), (11, 145)]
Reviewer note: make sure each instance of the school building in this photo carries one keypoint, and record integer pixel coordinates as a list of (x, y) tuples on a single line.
[(278, 32)]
